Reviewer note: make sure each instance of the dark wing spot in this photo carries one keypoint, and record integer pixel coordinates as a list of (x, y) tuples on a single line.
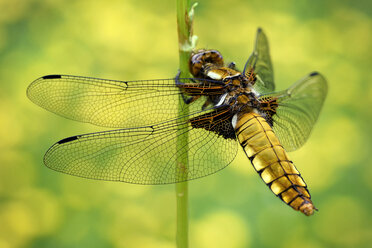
[(314, 74), (68, 139), (52, 76)]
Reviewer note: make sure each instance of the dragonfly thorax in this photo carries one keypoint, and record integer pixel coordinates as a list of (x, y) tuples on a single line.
[(237, 92)]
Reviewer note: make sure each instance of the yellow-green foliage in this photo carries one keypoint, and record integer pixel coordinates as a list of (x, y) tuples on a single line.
[(138, 40)]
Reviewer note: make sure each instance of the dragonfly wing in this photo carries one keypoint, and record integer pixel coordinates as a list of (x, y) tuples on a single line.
[(144, 155), (110, 103), (261, 64), (296, 110)]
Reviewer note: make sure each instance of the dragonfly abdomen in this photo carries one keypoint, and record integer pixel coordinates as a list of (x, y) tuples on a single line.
[(270, 160)]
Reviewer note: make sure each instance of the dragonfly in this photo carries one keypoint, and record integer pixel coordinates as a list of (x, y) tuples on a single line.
[(225, 108)]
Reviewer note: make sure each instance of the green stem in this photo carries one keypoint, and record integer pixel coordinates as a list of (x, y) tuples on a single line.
[(186, 44)]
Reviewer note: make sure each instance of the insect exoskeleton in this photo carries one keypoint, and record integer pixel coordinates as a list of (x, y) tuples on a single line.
[(202, 58)]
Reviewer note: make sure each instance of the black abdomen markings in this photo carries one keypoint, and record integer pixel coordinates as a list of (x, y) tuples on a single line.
[(270, 160), (202, 58)]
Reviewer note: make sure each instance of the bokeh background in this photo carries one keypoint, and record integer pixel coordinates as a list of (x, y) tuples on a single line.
[(130, 40)]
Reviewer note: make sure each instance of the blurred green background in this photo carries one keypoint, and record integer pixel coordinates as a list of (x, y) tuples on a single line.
[(130, 40)]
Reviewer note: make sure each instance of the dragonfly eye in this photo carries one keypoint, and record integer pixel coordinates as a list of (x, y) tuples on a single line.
[(201, 58)]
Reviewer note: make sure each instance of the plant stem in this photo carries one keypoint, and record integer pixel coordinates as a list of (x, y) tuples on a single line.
[(186, 44)]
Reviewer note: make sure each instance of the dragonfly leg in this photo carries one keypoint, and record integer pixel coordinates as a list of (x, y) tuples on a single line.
[(185, 99), (232, 65), (177, 79)]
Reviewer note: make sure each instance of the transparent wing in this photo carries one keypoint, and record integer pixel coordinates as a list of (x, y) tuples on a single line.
[(110, 103), (297, 110), (144, 155), (260, 62)]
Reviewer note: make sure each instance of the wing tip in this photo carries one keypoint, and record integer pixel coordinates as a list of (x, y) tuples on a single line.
[(54, 76), (261, 33), (317, 74), (29, 90)]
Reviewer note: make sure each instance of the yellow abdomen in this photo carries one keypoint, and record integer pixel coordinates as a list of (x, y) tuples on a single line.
[(271, 161)]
